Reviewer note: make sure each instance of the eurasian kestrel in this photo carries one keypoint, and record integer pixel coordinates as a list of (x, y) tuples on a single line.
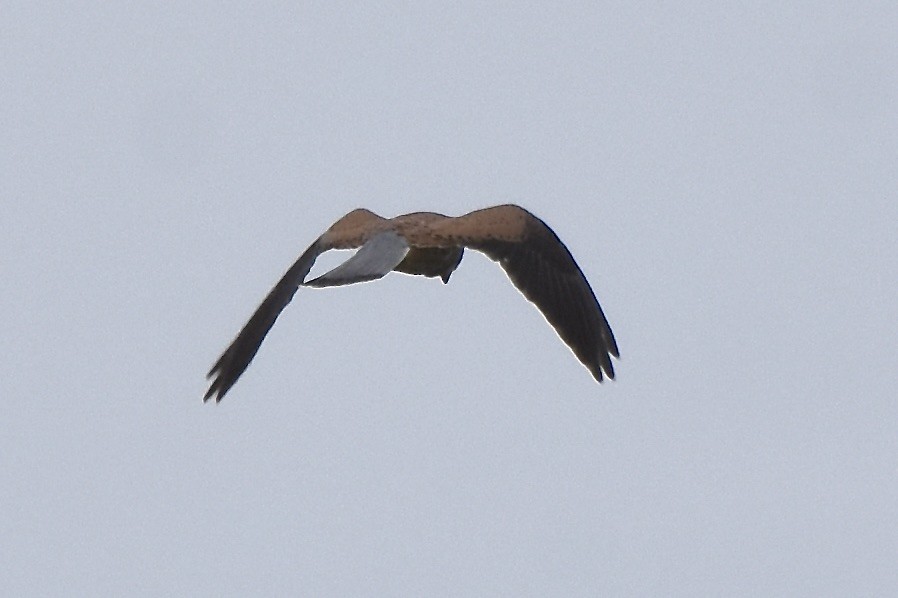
[(430, 244)]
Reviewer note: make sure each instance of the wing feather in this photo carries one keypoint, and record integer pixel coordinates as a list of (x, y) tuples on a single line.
[(543, 269), (237, 357)]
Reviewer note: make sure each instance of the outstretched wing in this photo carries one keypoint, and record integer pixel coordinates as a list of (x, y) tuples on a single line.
[(375, 259), (543, 269), (240, 353)]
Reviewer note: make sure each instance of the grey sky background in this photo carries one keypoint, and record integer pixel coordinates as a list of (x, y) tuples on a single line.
[(724, 175)]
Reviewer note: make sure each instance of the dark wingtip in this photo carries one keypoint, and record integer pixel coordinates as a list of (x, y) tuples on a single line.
[(218, 387), (211, 392), (216, 391)]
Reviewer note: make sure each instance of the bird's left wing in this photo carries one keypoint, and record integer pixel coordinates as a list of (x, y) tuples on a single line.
[(240, 353)]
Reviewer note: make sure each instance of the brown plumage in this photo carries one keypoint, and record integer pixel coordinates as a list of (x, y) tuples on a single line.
[(429, 244)]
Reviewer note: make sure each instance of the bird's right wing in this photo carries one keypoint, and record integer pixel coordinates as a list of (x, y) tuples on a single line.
[(240, 353), (543, 269), (547, 275), (375, 259)]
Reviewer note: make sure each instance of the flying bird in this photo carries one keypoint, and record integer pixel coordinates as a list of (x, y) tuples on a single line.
[(430, 244)]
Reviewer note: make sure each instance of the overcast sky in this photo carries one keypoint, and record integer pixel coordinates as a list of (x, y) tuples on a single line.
[(725, 177)]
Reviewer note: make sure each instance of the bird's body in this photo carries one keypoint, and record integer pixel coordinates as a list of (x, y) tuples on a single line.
[(430, 244)]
